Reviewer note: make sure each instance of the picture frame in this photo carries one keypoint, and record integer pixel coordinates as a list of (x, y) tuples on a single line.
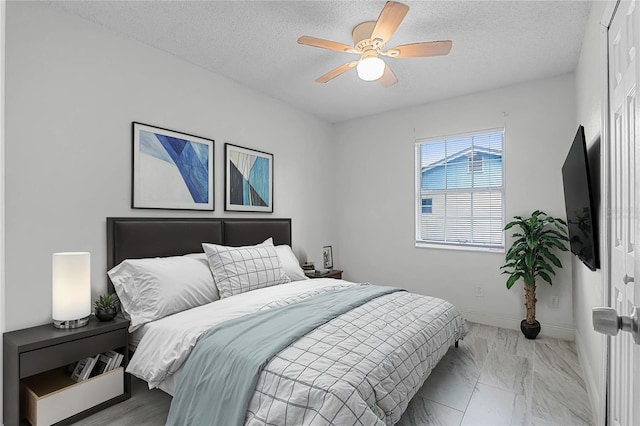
[(171, 170), (327, 257), (248, 179)]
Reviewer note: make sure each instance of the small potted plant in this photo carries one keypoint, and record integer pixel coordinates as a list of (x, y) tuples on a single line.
[(531, 256), (106, 307)]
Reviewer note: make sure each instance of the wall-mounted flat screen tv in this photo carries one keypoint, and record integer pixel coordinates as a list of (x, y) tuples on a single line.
[(579, 203)]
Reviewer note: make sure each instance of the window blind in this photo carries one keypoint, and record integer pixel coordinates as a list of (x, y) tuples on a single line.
[(461, 179)]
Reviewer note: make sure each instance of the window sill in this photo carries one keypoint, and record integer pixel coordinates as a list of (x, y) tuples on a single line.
[(457, 247)]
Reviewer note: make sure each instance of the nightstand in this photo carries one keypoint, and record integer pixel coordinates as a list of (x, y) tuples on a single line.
[(45, 349), (334, 273)]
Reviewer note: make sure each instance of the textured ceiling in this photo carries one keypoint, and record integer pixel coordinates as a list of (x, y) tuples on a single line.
[(495, 44)]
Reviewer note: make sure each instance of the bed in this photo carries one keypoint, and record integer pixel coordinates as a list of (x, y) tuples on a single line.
[(362, 366)]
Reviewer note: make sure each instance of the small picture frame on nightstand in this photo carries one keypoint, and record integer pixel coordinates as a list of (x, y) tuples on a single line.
[(327, 257)]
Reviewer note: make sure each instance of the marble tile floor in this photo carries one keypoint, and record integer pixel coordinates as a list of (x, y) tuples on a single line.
[(495, 377)]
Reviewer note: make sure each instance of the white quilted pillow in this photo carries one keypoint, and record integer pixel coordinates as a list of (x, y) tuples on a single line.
[(240, 269)]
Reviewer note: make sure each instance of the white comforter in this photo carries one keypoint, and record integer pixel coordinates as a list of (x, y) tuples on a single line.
[(363, 367)]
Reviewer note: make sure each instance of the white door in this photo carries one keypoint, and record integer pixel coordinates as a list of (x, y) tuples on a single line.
[(624, 348)]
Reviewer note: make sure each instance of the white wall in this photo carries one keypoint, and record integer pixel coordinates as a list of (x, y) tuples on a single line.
[(2, 203), (72, 91), (588, 285), (375, 197)]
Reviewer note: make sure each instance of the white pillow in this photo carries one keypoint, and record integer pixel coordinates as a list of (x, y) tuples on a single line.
[(153, 288), (240, 269), (290, 263)]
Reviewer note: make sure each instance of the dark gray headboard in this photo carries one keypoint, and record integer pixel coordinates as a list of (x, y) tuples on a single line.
[(139, 237)]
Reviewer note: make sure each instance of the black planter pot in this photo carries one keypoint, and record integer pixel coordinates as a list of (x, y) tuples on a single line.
[(530, 331), (106, 314)]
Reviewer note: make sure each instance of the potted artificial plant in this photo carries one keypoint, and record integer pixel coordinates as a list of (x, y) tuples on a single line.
[(531, 257), (106, 307)]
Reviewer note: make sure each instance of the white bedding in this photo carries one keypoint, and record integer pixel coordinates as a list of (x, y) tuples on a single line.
[(167, 342), (362, 367)]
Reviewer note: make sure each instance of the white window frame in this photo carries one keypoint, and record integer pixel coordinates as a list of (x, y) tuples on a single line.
[(419, 242)]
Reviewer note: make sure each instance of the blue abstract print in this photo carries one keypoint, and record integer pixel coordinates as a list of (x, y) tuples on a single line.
[(190, 158), (259, 178), (249, 179)]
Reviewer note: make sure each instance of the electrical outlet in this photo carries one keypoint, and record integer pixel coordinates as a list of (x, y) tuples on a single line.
[(479, 291), (554, 302)]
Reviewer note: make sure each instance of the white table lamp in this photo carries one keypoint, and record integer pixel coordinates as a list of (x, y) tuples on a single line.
[(71, 289)]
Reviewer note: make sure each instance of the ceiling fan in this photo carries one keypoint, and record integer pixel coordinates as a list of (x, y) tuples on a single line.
[(369, 39)]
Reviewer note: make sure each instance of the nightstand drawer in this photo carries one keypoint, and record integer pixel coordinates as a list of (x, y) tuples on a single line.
[(44, 359), (51, 397)]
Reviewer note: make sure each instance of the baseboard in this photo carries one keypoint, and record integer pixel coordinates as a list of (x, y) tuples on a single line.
[(551, 330), (594, 393)]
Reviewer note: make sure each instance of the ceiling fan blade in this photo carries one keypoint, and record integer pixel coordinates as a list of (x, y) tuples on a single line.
[(389, 20), (336, 72), (324, 44), (388, 79), (417, 50)]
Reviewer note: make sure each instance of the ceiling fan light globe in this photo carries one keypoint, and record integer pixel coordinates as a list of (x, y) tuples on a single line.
[(370, 69)]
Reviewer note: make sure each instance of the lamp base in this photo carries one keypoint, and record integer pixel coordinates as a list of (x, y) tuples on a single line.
[(71, 323)]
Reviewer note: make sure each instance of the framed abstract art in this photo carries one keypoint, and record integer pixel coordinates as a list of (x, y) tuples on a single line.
[(248, 180), (171, 170)]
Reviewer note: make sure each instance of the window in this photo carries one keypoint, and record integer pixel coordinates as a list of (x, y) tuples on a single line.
[(427, 206), (460, 191), (475, 162)]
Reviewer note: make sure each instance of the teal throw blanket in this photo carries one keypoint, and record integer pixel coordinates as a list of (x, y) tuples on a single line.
[(220, 376)]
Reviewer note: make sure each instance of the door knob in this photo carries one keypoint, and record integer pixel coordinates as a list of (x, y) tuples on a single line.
[(627, 279), (607, 321)]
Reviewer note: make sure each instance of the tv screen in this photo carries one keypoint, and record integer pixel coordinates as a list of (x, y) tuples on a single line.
[(578, 200)]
